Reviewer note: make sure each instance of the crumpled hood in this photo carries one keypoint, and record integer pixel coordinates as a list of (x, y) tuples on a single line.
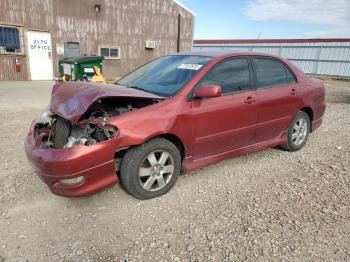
[(72, 100)]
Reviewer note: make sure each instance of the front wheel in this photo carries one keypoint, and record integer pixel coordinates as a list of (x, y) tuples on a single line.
[(298, 132), (150, 170)]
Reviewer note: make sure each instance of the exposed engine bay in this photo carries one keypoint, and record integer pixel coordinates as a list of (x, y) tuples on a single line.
[(58, 132)]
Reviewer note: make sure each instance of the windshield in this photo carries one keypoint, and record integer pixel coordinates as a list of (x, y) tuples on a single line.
[(165, 76)]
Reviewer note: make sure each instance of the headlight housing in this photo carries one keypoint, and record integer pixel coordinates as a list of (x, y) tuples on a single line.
[(45, 116)]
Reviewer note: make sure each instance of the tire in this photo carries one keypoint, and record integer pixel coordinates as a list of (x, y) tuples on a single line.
[(62, 132), (150, 170), (298, 132)]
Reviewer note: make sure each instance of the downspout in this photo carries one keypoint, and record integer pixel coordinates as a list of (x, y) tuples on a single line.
[(178, 32)]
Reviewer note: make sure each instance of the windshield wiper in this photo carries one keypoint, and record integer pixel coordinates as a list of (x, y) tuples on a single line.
[(138, 88), (145, 90)]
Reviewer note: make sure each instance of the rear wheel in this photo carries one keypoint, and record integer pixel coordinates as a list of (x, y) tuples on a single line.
[(150, 170), (298, 132)]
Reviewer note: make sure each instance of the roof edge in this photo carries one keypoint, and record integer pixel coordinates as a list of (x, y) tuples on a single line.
[(184, 7), (270, 41)]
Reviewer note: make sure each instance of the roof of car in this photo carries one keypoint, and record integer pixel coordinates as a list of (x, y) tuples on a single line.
[(218, 54)]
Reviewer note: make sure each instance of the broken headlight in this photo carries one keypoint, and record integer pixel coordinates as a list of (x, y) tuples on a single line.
[(45, 116)]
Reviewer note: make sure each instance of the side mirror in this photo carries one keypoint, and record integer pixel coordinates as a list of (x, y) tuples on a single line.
[(207, 91)]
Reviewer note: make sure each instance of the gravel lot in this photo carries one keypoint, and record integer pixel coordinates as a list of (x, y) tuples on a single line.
[(270, 205)]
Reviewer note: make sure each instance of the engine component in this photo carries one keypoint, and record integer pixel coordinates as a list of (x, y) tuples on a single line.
[(72, 141)]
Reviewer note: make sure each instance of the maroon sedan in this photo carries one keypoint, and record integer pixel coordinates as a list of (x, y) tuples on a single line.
[(174, 114)]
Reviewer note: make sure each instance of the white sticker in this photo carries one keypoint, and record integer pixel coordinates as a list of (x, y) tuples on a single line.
[(88, 70), (190, 66), (66, 69)]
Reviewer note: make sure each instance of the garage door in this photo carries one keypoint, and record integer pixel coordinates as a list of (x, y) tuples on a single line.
[(39, 55)]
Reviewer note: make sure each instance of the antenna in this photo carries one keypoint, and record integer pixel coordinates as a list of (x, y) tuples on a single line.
[(251, 49)]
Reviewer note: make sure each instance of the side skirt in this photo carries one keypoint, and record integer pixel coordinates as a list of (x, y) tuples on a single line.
[(190, 164)]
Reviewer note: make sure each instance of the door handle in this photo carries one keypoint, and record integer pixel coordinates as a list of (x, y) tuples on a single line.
[(250, 100), (293, 92)]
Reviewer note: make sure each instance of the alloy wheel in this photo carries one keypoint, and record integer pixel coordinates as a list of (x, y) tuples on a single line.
[(299, 131), (156, 170)]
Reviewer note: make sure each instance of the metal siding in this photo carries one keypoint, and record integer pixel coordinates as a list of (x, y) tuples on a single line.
[(8, 69), (335, 53), (122, 23), (323, 58), (305, 66), (299, 52)]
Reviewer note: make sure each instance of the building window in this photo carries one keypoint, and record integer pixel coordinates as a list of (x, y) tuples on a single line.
[(109, 52), (9, 40)]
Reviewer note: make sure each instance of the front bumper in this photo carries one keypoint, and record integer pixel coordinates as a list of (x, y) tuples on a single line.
[(95, 163)]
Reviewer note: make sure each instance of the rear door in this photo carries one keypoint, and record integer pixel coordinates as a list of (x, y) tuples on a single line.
[(278, 95), (228, 122)]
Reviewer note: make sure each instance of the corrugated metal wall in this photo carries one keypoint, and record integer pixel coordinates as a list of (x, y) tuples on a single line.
[(331, 58), (120, 23)]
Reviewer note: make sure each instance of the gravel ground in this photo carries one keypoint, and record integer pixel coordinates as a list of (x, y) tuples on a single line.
[(270, 205)]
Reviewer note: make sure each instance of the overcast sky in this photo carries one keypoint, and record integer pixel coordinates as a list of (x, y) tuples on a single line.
[(233, 19)]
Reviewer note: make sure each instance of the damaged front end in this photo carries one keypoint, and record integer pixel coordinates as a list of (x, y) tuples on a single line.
[(58, 132), (92, 128), (73, 145)]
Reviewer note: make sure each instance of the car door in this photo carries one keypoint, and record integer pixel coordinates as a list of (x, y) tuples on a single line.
[(228, 122), (278, 97)]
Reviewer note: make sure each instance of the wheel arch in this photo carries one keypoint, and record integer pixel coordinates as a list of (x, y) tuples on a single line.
[(308, 110), (176, 141), (168, 136)]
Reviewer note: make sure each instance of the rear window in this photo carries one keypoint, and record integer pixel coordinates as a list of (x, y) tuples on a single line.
[(270, 72)]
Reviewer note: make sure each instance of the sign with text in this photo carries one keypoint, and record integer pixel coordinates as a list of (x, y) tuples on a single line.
[(39, 55)]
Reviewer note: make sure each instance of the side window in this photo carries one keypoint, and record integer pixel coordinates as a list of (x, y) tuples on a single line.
[(290, 77), (270, 72), (232, 75)]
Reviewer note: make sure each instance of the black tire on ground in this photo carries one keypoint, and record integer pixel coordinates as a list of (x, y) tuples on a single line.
[(136, 157), (291, 144), (62, 132)]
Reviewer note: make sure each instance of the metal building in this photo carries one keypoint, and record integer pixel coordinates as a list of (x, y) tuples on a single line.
[(35, 34), (314, 56)]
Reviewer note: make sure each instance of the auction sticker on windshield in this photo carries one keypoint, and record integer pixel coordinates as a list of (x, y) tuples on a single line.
[(190, 66)]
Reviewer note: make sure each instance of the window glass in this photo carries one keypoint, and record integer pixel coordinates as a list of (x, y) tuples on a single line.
[(104, 51), (290, 77), (232, 75), (165, 76), (9, 39), (269, 72), (110, 52), (114, 52)]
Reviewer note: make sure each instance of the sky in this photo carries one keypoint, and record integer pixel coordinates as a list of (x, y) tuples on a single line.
[(246, 19)]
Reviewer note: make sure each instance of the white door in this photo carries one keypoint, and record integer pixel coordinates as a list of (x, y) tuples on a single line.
[(40, 55)]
